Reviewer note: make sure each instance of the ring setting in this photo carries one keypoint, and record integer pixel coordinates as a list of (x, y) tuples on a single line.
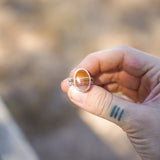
[(81, 80)]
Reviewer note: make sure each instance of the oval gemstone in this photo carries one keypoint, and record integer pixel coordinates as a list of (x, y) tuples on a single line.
[(82, 80)]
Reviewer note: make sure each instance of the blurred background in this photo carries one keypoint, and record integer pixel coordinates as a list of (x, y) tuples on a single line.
[(40, 42)]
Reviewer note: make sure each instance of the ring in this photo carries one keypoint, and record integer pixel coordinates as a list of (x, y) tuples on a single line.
[(81, 80)]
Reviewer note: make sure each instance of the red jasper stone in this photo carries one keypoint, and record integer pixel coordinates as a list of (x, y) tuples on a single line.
[(82, 79)]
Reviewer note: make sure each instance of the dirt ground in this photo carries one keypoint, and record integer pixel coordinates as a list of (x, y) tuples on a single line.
[(40, 42)]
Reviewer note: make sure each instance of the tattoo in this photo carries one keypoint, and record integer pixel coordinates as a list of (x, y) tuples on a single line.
[(117, 111), (120, 116)]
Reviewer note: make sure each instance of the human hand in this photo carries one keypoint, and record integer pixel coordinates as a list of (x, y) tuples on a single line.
[(136, 75)]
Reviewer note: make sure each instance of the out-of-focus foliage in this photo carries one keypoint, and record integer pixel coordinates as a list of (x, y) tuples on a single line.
[(41, 41)]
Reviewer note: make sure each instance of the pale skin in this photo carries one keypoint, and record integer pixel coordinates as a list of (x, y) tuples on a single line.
[(137, 76)]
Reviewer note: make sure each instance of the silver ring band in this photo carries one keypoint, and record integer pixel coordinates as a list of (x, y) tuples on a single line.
[(81, 80), (71, 81)]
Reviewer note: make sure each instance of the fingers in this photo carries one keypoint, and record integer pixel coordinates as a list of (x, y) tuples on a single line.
[(130, 60), (130, 93), (102, 61), (111, 87), (65, 85), (103, 104), (120, 77)]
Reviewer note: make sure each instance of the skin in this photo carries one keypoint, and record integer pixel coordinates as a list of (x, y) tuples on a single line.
[(136, 75)]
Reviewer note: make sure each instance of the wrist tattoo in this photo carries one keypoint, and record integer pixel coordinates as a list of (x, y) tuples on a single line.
[(117, 112)]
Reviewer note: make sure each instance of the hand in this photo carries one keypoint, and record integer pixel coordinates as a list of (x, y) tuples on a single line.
[(137, 76)]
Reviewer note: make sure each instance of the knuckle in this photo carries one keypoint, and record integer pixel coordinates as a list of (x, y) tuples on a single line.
[(90, 56), (101, 103), (97, 101), (124, 47)]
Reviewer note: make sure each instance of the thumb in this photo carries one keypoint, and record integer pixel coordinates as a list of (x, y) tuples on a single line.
[(102, 103)]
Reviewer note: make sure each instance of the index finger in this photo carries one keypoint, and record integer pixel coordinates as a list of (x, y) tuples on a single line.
[(132, 61)]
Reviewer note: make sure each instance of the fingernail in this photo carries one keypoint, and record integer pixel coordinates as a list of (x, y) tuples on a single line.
[(76, 95)]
